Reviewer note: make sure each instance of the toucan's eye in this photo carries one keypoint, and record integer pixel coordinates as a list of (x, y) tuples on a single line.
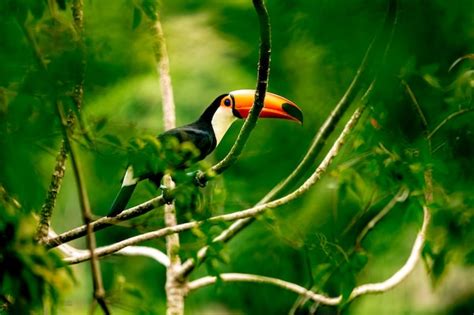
[(227, 102)]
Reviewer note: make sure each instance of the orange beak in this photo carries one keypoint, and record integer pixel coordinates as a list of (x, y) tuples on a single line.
[(274, 106)]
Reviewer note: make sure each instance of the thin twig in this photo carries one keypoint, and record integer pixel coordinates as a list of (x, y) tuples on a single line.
[(242, 277), (145, 251), (419, 111), (447, 119), (78, 18), (53, 191), (251, 212), (99, 292), (400, 196), (417, 106), (405, 270), (104, 222)]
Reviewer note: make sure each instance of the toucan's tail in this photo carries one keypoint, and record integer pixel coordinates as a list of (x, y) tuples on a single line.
[(122, 199)]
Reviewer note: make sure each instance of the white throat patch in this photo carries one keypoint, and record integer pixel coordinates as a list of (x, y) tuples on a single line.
[(221, 121)]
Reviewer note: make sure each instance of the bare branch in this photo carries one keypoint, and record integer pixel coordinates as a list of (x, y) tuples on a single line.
[(242, 277), (104, 222), (447, 119), (400, 196), (405, 270), (78, 18), (145, 251), (174, 286), (99, 293), (163, 69), (53, 191), (457, 61), (417, 106)]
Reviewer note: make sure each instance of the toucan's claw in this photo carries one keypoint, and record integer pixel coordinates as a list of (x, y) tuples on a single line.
[(198, 177)]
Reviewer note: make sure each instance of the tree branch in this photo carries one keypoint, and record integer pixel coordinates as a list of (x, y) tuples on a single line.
[(99, 293), (419, 112), (145, 251), (104, 222), (447, 119), (53, 191), (78, 18), (400, 196), (163, 69), (405, 270), (174, 286), (242, 277)]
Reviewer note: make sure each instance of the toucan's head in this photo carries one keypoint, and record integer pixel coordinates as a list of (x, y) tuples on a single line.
[(229, 107)]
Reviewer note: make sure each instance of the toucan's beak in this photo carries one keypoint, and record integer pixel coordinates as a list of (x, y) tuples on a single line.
[(274, 106)]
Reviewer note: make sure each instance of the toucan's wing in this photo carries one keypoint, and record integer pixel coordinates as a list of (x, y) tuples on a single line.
[(200, 135)]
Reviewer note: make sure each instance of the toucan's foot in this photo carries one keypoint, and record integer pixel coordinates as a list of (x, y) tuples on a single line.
[(199, 178)]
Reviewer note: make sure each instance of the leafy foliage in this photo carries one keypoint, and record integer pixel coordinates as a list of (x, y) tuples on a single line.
[(28, 273)]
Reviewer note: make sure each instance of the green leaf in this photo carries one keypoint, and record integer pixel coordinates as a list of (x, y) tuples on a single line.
[(37, 8), (358, 261), (101, 124), (150, 7), (133, 291), (469, 258), (347, 284), (61, 4), (113, 139), (137, 17)]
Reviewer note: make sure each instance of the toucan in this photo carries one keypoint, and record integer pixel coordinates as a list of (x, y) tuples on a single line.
[(205, 134)]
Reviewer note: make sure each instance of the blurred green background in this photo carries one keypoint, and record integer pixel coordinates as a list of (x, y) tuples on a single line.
[(213, 48)]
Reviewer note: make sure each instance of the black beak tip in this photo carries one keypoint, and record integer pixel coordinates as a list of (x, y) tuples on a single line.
[(293, 111)]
